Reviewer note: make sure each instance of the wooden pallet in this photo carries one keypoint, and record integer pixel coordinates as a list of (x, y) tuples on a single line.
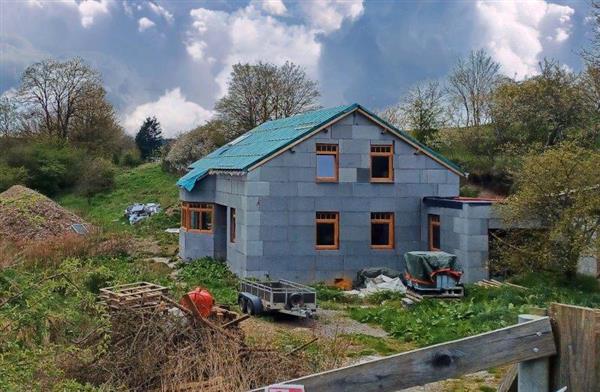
[(137, 295), (494, 284), (411, 297)]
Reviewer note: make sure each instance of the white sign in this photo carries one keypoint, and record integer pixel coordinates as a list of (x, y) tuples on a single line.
[(285, 388)]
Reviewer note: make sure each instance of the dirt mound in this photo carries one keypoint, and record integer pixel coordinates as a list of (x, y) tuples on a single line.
[(26, 214)]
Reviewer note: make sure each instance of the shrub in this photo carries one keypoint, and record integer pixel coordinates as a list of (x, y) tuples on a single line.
[(98, 176), (10, 176)]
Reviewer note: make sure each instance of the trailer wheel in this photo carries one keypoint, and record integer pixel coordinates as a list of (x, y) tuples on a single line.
[(243, 303), (250, 308), (296, 299)]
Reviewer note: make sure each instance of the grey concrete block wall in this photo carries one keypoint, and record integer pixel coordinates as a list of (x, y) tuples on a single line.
[(276, 205), (464, 232)]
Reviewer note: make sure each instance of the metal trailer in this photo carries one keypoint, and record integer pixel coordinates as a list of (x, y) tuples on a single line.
[(281, 296)]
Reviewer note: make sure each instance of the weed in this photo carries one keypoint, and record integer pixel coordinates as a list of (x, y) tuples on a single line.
[(212, 275)]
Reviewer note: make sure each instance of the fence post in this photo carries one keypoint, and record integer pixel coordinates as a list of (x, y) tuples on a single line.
[(534, 375)]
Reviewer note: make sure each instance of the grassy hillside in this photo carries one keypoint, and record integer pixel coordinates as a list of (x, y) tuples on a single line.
[(143, 184)]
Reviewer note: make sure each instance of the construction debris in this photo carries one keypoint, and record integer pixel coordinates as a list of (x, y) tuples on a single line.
[(377, 284), (27, 214), (495, 283), (137, 212), (133, 295)]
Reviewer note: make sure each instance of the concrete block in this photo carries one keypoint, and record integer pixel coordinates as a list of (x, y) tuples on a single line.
[(302, 263), (274, 233), (310, 189), (420, 190), (305, 218), (276, 248), (351, 160), (269, 203), (340, 131), (353, 204), (302, 247), (355, 146), (453, 178), (355, 233), (478, 210), (355, 263), (331, 262), (404, 204), (302, 174), (407, 176), (273, 173), (274, 218), (327, 204), (302, 204), (257, 188), (254, 248), (387, 204), (447, 190), (474, 243), (408, 233), (361, 218), (297, 159), (248, 233), (251, 218), (284, 189), (429, 176), (368, 132), (303, 233), (347, 174)]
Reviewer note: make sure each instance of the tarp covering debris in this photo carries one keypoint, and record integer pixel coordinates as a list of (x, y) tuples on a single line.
[(373, 272), (377, 284), (423, 266), (137, 212)]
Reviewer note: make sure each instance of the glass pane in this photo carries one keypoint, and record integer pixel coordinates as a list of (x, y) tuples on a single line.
[(380, 167), (195, 221), (206, 221), (435, 241), (325, 234), (326, 166), (380, 234)]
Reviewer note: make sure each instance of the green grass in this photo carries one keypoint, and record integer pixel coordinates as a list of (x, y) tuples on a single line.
[(483, 309), (212, 275), (143, 184)]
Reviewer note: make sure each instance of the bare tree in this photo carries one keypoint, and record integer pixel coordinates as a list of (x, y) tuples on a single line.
[(56, 92), (8, 116), (471, 82), (261, 92), (592, 54)]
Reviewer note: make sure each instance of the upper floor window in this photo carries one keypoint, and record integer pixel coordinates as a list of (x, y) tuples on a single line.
[(382, 163), (328, 230), (197, 217), (382, 230), (232, 224), (327, 162), (434, 231)]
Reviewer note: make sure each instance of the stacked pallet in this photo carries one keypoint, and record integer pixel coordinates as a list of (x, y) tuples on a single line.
[(139, 295), (411, 298)]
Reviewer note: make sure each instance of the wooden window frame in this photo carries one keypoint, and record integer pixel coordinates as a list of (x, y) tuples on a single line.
[(379, 150), (187, 208), (433, 220), (384, 218), (328, 149), (232, 225), (328, 217)]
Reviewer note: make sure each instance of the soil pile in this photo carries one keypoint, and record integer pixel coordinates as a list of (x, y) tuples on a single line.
[(28, 215)]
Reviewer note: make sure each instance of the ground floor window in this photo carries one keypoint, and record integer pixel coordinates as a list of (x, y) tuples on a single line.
[(328, 230), (382, 230), (197, 217), (232, 218), (434, 232)]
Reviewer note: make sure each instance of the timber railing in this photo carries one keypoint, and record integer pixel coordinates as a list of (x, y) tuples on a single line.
[(552, 352)]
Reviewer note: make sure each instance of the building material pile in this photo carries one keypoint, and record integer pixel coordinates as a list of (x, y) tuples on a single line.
[(28, 215), (137, 212)]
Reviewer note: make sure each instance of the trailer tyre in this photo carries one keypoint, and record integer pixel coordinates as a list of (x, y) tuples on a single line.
[(250, 308), (243, 303)]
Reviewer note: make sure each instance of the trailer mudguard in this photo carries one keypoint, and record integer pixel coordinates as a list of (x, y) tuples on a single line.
[(254, 300)]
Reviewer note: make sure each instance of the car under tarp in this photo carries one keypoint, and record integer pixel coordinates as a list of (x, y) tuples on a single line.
[(423, 266)]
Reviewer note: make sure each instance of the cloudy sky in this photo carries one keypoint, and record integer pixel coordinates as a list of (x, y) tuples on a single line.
[(172, 58)]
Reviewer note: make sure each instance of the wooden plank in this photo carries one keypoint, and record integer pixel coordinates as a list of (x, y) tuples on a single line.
[(577, 332), (512, 344), (508, 383), (236, 321)]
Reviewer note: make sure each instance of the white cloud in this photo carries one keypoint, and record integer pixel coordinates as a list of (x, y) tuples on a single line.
[(128, 9), (174, 112), (249, 35), (90, 9), (273, 7), (516, 33), (144, 24), (161, 11), (328, 15)]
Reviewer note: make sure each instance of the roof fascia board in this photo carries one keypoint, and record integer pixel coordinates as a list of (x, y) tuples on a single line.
[(410, 142), (303, 138)]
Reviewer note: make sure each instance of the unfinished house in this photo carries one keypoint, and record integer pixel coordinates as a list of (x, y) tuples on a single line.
[(323, 194)]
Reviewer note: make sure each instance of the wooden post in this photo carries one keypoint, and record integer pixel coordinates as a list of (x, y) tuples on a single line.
[(577, 333), (534, 375)]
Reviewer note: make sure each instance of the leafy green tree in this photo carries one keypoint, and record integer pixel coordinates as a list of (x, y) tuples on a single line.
[(557, 193), (545, 109), (98, 176), (149, 138)]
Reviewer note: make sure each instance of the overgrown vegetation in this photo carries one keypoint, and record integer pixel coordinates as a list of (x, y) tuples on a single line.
[(482, 309)]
